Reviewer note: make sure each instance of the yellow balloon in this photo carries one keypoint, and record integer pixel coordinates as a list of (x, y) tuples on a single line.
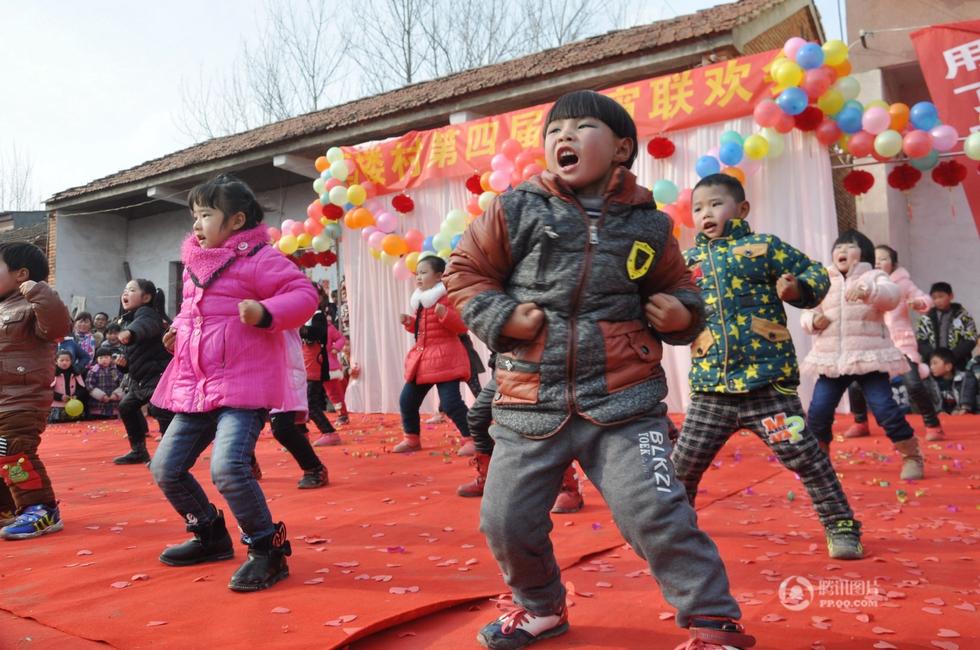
[(412, 261), (756, 147), (788, 74), (444, 253), (74, 408), (305, 240), (834, 52), (356, 194), (376, 254), (288, 244), (831, 102), (881, 103)]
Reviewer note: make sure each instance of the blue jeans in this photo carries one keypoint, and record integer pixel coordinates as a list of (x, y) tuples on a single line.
[(878, 393), (449, 398), (234, 433)]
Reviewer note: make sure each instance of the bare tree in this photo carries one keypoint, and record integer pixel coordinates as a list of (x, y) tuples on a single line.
[(17, 190), (390, 50), (552, 23)]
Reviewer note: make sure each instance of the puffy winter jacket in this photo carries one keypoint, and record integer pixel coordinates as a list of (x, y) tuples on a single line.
[(30, 328), (438, 355), (596, 356), (962, 334), (745, 344), (218, 360), (857, 341), (145, 355), (322, 342), (899, 321)]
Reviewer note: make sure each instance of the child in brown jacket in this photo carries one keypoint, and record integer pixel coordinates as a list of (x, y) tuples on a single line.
[(32, 320)]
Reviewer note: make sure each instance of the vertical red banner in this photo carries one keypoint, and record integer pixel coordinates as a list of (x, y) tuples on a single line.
[(949, 56)]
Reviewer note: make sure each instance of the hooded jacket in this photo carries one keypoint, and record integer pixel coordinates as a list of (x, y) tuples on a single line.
[(596, 355), (438, 355), (898, 320)]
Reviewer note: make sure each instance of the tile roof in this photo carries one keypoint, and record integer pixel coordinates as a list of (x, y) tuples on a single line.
[(605, 48)]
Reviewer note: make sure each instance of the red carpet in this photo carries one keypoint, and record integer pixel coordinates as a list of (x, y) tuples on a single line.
[(388, 557)]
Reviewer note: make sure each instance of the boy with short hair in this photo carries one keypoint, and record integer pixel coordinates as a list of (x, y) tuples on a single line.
[(947, 325), (574, 279), (103, 383), (743, 364), (957, 388), (32, 320)]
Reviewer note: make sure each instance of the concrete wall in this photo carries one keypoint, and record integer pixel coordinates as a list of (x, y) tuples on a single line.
[(91, 251)]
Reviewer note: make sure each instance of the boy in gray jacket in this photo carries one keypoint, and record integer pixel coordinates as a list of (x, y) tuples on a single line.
[(574, 278)]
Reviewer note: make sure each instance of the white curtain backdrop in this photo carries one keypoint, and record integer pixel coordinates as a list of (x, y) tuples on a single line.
[(792, 197)]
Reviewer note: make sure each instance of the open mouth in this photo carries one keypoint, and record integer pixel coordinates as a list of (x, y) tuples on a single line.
[(567, 157)]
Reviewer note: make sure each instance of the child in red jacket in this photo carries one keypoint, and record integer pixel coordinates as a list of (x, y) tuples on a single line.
[(438, 357)]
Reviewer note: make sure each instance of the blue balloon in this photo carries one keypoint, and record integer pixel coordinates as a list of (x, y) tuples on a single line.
[(849, 119), (456, 240), (348, 207), (852, 103), (924, 116), (706, 166), (731, 153), (793, 101), (927, 162), (325, 198), (731, 136), (427, 245), (809, 56)]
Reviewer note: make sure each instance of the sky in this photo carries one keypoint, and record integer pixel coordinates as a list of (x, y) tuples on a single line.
[(91, 88)]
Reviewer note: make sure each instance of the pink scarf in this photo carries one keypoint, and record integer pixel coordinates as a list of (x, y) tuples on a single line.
[(206, 264)]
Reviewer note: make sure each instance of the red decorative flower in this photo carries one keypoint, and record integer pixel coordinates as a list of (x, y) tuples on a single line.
[(332, 212), (661, 148), (809, 119), (858, 182), (949, 174), (403, 203), (473, 184), (326, 258), (307, 260), (904, 177)]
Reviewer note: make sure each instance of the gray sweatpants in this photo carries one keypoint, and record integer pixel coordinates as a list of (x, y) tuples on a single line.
[(630, 466)]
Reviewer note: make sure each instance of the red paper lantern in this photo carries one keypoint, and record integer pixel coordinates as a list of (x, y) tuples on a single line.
[(904, 177), (661, 148), (809, 119), (858, 182), (949, 174), (403, 203), (333, 212), (473, 184), (326, 258)]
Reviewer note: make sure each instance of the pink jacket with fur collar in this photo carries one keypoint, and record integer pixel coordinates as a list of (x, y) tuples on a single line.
[(857, 341), (218, 360), (899, 321)]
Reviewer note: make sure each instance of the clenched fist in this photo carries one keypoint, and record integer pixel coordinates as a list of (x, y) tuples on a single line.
[(667, 314), (820, 322), (525, 322), (169, 338), (788, 287), (251, 312)]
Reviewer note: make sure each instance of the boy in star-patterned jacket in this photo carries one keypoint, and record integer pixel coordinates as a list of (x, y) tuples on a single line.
[(743, 365)]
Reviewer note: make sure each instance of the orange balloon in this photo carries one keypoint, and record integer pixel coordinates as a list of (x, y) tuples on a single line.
[(735, 172), (900, 116), (321, 164), (362, 217), (842, 69), (349, 220), (394, 245), (485, 182)]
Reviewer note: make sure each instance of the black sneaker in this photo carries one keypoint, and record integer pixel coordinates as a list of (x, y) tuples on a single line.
[(844, 540), (314, 478)]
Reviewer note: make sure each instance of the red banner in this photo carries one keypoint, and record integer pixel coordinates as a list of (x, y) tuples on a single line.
[(949, 56), (722, 91)]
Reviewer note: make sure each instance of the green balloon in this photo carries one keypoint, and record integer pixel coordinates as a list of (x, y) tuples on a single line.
[(927, 162), (731, 136), (971, 147)]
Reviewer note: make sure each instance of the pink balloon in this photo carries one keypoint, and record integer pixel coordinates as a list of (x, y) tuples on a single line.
[(386, 222), (274, 234), (713, 151), (532, 169), (785, 123), (501, 163), (297, 229), (499, 180), (793, 46), (511, 148), (330, 184), (374, 241), (414, 239), (861, 144), (917, 144), (766, 113), (524, 159), (400, 271), (818, 81), (367, 232), (876, 120), (374, 206), (313, 227), (747, 165), (944, 137), (828, 132), (684, 198)]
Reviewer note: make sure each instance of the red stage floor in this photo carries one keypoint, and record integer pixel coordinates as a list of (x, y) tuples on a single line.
[(388, 557)]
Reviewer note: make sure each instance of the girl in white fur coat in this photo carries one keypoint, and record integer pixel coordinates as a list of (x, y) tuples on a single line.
[(853, 344)]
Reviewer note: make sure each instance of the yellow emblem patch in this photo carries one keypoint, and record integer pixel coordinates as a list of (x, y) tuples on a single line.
[(634, 266)]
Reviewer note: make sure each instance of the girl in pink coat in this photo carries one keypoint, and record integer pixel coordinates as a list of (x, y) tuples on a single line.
[(853, 345), (899, 324), (230, 367)]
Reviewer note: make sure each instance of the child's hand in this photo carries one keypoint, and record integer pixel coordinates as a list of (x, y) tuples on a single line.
[(856, 294), (125, 337), (666, 313), (251, 312), (405, 320), (788, 287), (918, 304), (820, 322), (104, 399), (524, 323), (169, 338), (27, 286), (440, 310)]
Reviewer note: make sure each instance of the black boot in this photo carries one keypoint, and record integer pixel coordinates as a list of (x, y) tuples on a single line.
[(139, 455), (314, 478), (211, 543), (266, 563)]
